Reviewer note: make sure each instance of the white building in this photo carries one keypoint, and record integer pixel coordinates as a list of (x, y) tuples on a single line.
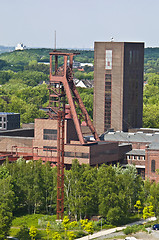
[(20, 46)]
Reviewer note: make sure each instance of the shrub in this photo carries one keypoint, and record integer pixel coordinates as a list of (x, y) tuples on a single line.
[(80, 234), (134, 229), (23, 233), (115, 215)]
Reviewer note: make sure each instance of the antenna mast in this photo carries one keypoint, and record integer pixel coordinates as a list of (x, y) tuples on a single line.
[(55, 41)]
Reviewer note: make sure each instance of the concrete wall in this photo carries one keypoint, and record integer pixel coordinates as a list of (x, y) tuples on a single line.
[(126, 85), (39, 126), (23, 144)]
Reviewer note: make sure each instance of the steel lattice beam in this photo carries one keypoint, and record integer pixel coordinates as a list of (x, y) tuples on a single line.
[(62, 85)]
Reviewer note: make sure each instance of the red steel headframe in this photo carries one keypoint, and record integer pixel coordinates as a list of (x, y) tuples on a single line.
[(62, 85)]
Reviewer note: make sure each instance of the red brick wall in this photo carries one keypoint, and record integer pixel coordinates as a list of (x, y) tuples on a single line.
[(103, 153), (149, 156)]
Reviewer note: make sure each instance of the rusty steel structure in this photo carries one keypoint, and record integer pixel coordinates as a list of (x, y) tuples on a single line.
[(61, 85)]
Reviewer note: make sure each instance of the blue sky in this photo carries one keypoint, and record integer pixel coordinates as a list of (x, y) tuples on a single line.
[(78, 23)]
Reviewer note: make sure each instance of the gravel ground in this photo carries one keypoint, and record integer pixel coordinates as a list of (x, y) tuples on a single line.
[(153, 235)]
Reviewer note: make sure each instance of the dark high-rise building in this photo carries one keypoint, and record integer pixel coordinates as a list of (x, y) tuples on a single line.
[(118, 85)]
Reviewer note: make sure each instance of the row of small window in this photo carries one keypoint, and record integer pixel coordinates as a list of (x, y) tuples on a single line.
[(49, 149), (66, 154), (129, 157), (76, 154)]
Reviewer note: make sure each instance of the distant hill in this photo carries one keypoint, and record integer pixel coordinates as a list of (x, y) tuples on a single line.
[(151, 60), (6, 49), (151, 53), (16, 60)]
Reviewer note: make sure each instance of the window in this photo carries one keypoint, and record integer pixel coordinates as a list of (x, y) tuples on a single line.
[(107, 120), (130, 57), (85, 155), (49, 134), (76, 154), (108, 60), (50, 149), (69, 154), (153, 166)]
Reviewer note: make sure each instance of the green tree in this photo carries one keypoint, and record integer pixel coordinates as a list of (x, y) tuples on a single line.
[(138, 205), (151, 116), (87, 226), (6, 204), (89, 193), (154, 197), (32, 232), (48, 229), (115, 215), (74, 199), (108, 194), (56, 236), (148, 212), (23, 233), (66, 222), (71, 235)]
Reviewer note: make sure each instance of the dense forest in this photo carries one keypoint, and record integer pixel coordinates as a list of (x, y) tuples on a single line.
[(23, 75), (112, 192), (23, 72)]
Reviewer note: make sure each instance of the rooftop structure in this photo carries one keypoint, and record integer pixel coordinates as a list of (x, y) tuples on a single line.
[(9, 121)]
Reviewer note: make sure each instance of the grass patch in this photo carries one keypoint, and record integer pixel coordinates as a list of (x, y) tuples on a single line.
[(20, 227), (13, 232), (134, 229), (31, 220)]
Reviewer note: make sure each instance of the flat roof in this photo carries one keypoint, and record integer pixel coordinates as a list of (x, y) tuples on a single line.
[(8, 113)]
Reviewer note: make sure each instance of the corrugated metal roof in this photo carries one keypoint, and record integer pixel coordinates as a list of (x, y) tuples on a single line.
[(136, 152), (154, 146), (131, 137)]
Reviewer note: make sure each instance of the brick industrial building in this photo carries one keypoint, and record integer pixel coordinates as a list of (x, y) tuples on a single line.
[(118, 85), (144, 152), (117, 104), (40, 142), (139, 147)]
